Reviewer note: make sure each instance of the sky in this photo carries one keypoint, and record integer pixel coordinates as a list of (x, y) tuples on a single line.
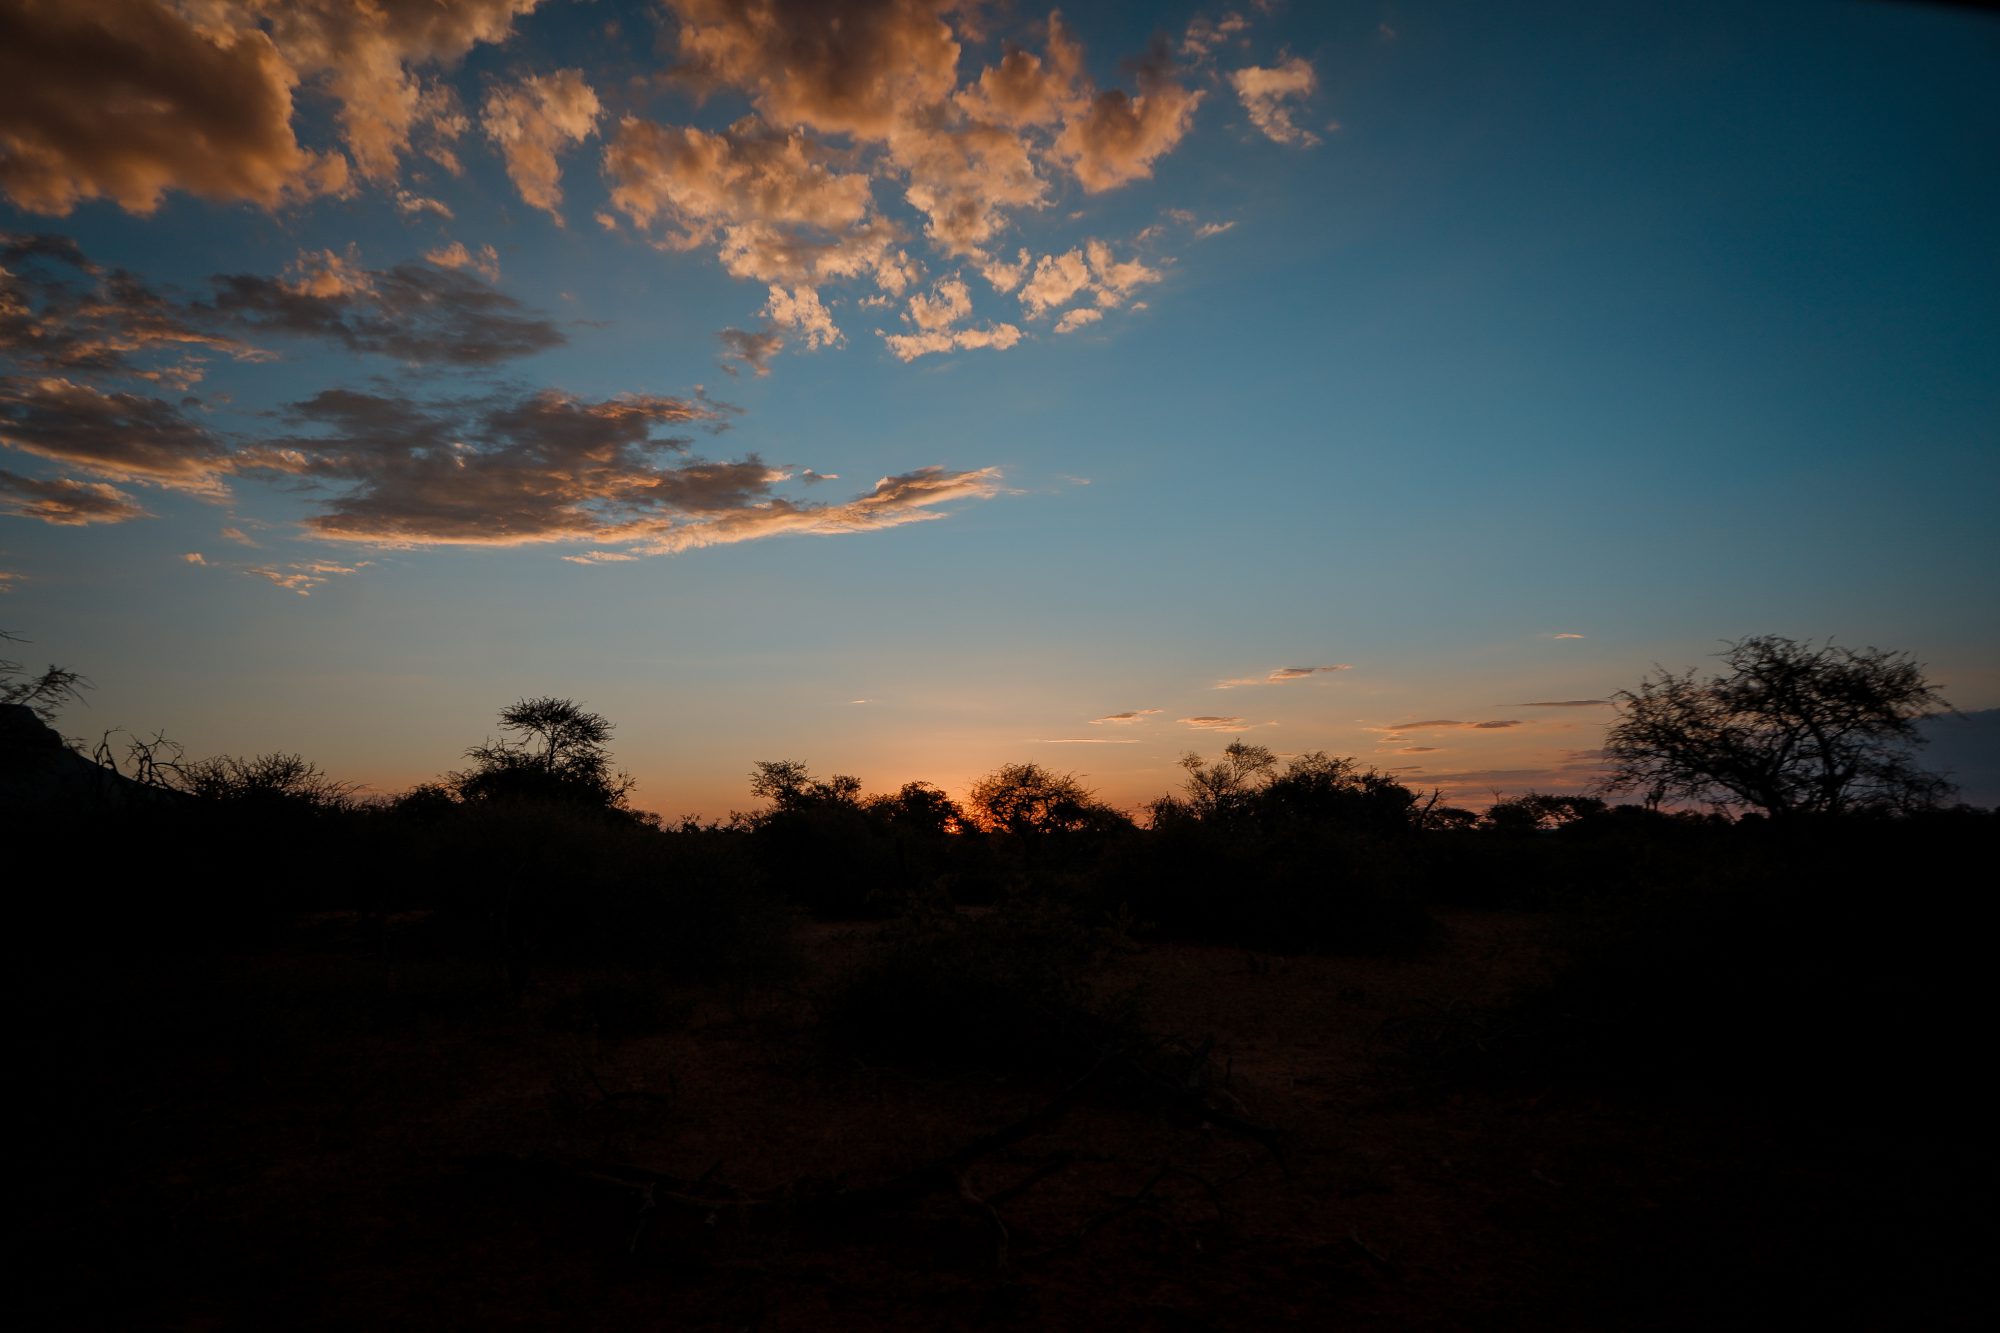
[(909, 388)]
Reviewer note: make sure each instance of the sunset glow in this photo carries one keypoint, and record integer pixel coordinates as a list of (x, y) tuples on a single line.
[(909, 388)]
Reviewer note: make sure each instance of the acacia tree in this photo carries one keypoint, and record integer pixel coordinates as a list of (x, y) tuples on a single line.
[(43, 695), (1027, 799), (558, 753), (1789, 729)]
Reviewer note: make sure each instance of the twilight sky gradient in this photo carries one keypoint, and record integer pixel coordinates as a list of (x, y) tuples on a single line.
[(909, 388)]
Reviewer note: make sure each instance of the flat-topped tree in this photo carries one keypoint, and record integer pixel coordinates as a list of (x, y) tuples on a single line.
[(558, 753)]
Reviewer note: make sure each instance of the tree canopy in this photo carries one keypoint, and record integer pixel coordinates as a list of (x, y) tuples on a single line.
[(558, 752), (1789, 729)]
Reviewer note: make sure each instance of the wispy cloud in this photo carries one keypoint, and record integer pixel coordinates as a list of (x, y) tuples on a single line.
[(1281, 675), (1128, 718), (1566, 703), (63, 313), (1210, 722), (303, 576), (1428, 724), (423, 313)]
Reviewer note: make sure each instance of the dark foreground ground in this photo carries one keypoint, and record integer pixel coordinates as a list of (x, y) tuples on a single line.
[(348, 1128)]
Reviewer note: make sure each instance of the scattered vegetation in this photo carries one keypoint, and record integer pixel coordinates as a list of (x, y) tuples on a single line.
[(1270, 1040)]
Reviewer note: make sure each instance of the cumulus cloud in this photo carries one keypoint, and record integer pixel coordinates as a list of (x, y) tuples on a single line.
[(750, 348), (1119, 136), (1055, 282), (843, 66), (1280, 675), (1092, 268), (849, 92), (771, 203), (1267, 95), (532, 121), (935, 315), (801, 311), (703, 185), (64, 502), (127, 99), (374, 59), (1026, 89), (120, 436), (413, 312), (1078, 318), (910, 346), (1005, 276), (1129, 718), (485, 261), (946, 304)]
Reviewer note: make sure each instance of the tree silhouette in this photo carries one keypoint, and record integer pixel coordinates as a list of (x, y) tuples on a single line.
[(42, 695), (558, 753), (1228, 787), (1027, 799), (1790, 729)]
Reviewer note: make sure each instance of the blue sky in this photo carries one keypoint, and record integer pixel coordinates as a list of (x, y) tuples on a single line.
[(1486, 359)]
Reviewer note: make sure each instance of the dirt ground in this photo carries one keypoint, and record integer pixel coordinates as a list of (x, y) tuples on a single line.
[(351, 1134)]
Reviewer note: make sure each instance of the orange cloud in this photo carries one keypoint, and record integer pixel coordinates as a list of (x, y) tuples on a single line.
[(63, 312), (120, 436), (127, 99), (486, 263), (531, 121), (370, 57), (1119, 136), (64, 502), (1210, 722), (841, 66), (1266, 94)]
